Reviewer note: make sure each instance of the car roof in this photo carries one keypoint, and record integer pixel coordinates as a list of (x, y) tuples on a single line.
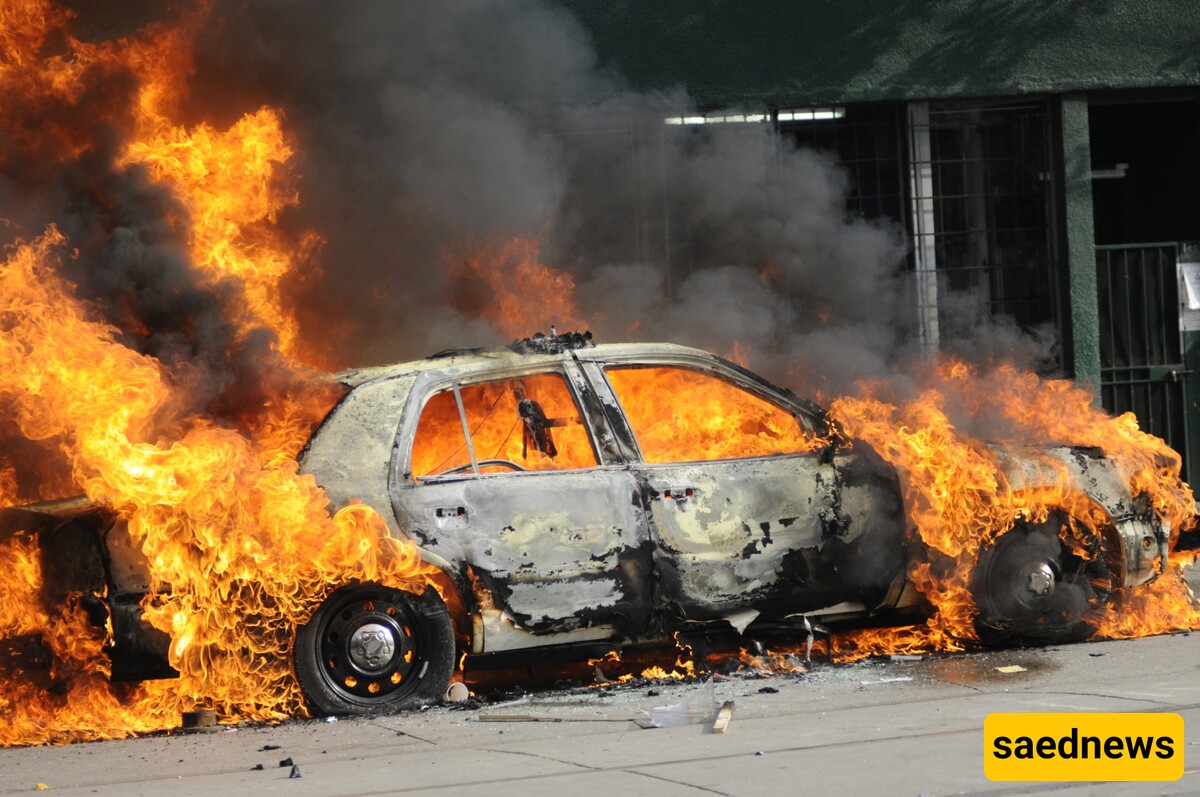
[(468, 360)]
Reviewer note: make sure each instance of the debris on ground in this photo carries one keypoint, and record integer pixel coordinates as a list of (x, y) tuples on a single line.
[(1011, 668), (457, 692), (546, 717), (694, 710), (199, 721), (895, 680), (723, 717)]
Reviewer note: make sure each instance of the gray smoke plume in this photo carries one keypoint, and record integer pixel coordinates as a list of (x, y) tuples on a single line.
[(421, 126)]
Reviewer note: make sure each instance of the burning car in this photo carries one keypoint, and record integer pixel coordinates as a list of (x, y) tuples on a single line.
[(575, 497)]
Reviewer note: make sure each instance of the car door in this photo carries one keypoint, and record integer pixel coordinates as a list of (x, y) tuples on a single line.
[(502, 473), (745, 499)]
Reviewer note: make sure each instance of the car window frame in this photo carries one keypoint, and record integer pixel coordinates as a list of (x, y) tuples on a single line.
[(426, 388), (596, 372)]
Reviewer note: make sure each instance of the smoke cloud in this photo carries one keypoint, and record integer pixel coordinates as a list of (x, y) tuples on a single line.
[(419, 126)]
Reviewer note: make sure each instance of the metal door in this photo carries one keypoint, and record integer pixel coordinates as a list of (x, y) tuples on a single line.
[(1142, 367)]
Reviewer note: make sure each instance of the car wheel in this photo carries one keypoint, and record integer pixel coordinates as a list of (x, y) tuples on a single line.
[(370, 649), (1029, 587)]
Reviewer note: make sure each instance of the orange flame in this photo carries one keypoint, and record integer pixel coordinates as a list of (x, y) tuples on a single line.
[(960, 499), (241, 547), (516, 292)]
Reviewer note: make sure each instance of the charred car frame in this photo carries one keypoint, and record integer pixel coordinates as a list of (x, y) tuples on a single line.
[(579, 497)]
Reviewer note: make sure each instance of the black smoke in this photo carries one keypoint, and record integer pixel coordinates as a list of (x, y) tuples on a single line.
[(419, 126)]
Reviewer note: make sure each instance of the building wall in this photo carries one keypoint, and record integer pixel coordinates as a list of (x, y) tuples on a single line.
[(804, 52)]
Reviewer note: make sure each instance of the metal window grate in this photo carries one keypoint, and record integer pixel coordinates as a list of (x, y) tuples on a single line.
[(865, 140), (1140, 348), (992, 201)]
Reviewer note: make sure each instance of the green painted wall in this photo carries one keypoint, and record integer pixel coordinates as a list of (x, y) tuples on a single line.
[(803, 52)]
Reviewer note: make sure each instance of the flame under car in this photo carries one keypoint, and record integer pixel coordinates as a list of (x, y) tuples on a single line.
[(577, 497)]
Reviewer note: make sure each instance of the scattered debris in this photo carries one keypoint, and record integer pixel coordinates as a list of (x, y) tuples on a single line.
[(542, 717), (688, 712), (905, 657), (1097, 655), (331, 719), (267, 747), (601, 678), (741, 618), (202, 720), (723, 718), (257, 768), (1011, 668), (457, 692), (41, 787), (295, 773), (287, 762), (768, 690), (887, 680), (674, 715)]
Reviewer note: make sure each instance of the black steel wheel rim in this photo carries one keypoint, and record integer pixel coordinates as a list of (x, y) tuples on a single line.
[(370, 647)]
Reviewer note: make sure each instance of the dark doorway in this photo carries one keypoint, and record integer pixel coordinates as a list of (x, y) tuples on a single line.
[(1146, 201), (1146, 171)]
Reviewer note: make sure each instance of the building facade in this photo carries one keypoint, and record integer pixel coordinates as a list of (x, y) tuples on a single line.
[(1043, 155)]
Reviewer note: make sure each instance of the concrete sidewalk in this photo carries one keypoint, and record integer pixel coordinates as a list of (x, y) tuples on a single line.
[(851, 729)]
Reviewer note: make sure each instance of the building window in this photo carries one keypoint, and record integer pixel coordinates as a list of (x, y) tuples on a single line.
[(864, 140), (981, 177)]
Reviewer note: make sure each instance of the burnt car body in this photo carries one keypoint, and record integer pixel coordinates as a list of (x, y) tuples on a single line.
[(579, 497)]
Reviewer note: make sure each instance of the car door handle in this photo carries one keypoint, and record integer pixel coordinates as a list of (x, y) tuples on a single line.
[(449, 517)]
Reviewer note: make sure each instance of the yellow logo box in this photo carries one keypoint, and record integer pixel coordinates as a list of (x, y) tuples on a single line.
[(1083, 747)]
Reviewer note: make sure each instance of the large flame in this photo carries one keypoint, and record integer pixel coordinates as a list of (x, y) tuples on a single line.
[(506, 282), (960, 498), (241, 547)]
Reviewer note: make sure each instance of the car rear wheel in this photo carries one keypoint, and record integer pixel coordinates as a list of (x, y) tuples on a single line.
[(370, 649), (1030, 587)]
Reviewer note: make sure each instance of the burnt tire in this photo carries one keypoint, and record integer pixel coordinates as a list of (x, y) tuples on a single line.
[(1030, 588), (370, 649)]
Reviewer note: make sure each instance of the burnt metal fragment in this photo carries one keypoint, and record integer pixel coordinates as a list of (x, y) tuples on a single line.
[(553, 343), (537, 428)]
